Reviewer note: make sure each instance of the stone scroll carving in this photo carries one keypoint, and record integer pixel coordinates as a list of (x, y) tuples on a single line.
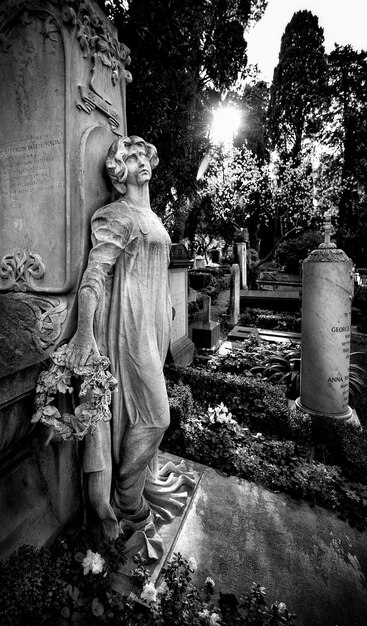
[(50, 314), (19, 270), (40, 318)]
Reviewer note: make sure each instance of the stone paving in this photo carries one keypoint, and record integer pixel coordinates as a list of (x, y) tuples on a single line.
[(239, 533)]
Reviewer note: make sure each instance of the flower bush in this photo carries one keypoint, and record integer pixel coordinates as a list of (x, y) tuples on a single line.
[(52, 588), (177, 601), (96, 381)]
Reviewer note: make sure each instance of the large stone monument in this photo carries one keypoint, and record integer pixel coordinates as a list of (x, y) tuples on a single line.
[(63, 76), (327, 290)]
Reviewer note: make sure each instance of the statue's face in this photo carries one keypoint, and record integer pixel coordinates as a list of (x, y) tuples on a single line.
[(139, 170)]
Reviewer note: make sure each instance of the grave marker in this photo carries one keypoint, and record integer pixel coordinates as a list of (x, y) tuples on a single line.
[(327, 290), (234, 303)]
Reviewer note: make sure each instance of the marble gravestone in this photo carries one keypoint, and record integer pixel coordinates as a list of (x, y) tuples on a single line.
[(181, 348), (63, 78)]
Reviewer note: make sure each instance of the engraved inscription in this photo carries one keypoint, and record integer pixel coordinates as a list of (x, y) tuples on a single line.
[(26, 165), (342, 336)]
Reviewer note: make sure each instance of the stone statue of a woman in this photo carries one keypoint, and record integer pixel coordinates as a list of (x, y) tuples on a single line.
[(125, 313)]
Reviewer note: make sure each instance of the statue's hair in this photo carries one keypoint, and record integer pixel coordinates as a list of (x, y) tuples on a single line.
[(117, 155)]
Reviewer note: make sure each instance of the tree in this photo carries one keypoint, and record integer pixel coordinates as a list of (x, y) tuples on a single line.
[(274, 201), (221, 208), (284, 205), (254, 102), (179, 51), (298, 89), (343, 176)]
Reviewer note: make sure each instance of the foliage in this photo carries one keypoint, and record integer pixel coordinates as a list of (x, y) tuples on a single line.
[(182, 603), (253, 100), (48, 587), (216, 285), (184, 55), (298, 88), (225, 192), (257, 404), (285, 204), (97, 382), (263, 318), (292, 252), (274, 200), (280, 363), (342, 178), (360, 297)]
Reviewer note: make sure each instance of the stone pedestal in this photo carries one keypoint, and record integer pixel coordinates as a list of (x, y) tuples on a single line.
[(206, 334), (181, 347)]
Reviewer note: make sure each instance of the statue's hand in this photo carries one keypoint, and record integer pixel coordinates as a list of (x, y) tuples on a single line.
[(82, 350)]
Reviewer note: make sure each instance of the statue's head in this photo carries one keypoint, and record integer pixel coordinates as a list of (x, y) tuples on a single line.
[(117, 155)]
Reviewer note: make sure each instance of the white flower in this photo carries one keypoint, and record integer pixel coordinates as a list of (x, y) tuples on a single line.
[(93, 562), (204, 614), (192, 564), (282, 608), (209, 581), (214, 619), (149, 593)]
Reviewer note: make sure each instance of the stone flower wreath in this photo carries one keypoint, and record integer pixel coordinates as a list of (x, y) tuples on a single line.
[(96, 381)]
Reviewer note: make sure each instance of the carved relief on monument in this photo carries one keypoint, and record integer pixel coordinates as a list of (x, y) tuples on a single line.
[(50, 314), (20, 269), (100, 44), (38, 318)]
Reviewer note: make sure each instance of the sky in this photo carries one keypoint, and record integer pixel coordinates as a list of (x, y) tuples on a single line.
[(344, 22)]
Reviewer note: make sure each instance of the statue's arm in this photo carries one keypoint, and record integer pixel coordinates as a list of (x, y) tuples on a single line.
[(109, 237), (83, 346)]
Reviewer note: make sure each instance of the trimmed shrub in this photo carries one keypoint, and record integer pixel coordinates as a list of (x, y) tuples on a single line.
[(263, 318), (255, 402)]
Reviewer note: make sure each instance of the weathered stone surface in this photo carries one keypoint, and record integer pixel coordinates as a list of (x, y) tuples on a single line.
[(63, 72), (234, 303), (57, 115), (239, 532), (326, 333)]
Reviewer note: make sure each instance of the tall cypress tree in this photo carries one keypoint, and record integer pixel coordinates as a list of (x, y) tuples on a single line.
[(298, 89), (346, 134)]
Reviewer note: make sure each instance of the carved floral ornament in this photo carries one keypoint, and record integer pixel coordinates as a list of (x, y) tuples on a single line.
[(18, 270), (95, 37)]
